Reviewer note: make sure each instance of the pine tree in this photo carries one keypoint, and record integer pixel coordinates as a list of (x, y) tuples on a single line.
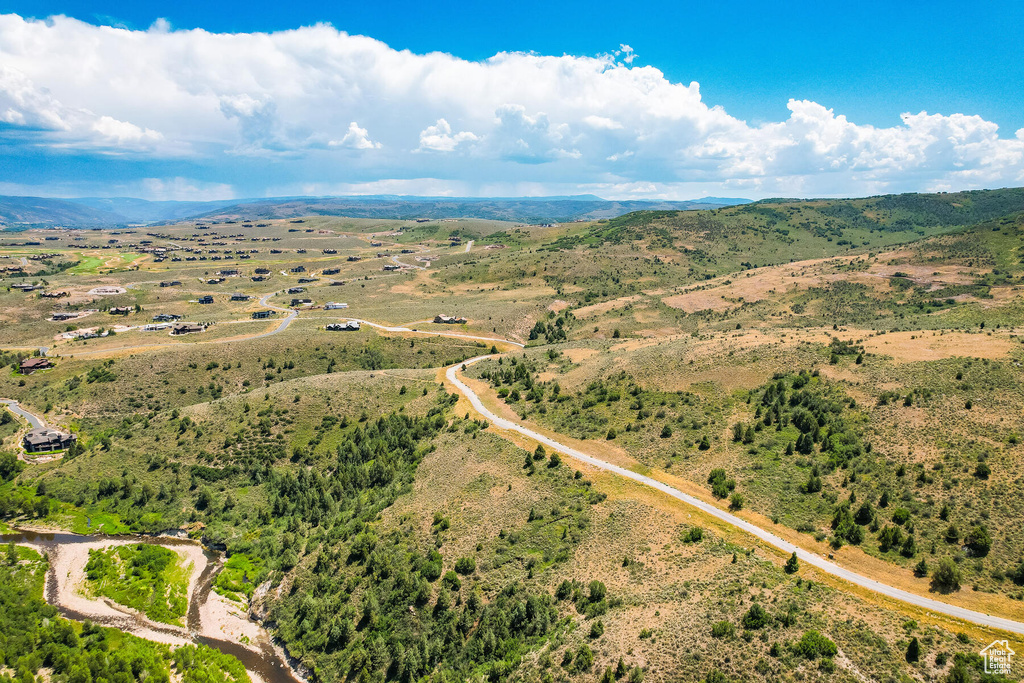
[(620, 669), (913, 650)]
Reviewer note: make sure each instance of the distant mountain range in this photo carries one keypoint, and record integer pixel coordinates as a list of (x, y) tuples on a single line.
[(94, 212)]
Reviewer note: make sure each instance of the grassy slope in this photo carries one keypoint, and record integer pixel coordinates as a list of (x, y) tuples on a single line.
[(675, 286)]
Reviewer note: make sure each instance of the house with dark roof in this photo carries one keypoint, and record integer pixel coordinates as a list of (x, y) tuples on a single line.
[(46, 440), (30, 365)]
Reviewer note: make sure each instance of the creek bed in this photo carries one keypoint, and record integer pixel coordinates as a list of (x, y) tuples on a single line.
[(262, 660)]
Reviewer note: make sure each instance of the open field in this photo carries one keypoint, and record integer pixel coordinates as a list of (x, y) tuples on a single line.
[(845, 374)]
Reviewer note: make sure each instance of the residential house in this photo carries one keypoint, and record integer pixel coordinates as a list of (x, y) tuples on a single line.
[(47, 440), (449, 320), (206, 299), (187, 328), (30, 365), (331, 306)]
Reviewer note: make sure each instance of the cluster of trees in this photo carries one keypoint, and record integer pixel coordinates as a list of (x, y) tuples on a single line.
[(552, 331), (379, 607)]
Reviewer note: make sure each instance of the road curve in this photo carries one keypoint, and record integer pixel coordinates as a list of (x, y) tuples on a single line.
[(435, 334), (34, 421), (406, 265), (291, 314), (766, 536)]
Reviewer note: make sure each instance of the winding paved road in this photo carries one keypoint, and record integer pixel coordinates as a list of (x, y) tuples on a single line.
[(436, 334), (742, 524), (34, 421), (766, 536), (406, 265), (291, 314)]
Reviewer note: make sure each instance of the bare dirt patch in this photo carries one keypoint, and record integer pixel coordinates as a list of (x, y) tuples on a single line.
[(580, 355), (925, 346), (605, 306), (558, 305)]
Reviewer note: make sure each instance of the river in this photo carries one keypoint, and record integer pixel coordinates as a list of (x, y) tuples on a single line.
[(265, 664)]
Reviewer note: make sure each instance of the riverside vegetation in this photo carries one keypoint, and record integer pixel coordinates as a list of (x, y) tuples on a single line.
[(35, 641), (844, 372)]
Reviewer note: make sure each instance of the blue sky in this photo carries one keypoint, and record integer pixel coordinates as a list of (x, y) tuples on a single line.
[(869, 63)]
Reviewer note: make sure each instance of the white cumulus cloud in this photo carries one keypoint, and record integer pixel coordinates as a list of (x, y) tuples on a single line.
[(309, 97), (355, 138), (439, 137)]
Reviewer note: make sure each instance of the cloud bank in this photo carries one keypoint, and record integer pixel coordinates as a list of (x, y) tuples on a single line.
[(315, 110)]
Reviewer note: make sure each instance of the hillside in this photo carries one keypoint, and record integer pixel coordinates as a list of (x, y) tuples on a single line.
[(22, 212), (112, 212), (530, 210), (844, 374)]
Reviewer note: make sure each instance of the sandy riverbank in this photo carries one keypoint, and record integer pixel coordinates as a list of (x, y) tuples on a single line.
[(225, 619), (220, 618), (68, 562)]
